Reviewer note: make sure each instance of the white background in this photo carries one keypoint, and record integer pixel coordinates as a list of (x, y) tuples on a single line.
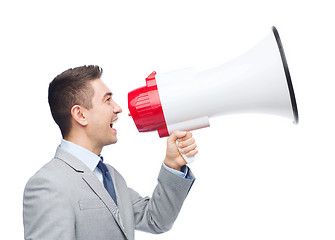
[(258, 177)]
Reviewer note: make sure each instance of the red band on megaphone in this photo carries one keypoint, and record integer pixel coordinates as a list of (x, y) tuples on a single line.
[(146, 109)]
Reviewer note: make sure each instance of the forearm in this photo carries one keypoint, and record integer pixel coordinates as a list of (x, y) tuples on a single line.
[(158, 213)]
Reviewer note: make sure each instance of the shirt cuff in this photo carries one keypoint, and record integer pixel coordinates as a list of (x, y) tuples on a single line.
[(183, 173)]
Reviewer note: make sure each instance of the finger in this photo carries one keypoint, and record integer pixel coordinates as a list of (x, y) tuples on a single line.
[(187, 149), (177, 135), (192, 153), (186, 142), (186, 136)]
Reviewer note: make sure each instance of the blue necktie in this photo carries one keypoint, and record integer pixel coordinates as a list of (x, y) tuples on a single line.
[(107, 179)]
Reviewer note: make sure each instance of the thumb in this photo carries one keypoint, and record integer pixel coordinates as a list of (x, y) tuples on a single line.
[(177, 135)]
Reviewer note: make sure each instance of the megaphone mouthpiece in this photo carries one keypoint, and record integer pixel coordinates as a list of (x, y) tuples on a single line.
[(146, 109)]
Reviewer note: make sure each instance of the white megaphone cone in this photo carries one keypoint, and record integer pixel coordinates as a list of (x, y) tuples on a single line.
[(256, 82)]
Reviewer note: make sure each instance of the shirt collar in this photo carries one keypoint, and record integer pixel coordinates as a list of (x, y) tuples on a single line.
[(90, 159)]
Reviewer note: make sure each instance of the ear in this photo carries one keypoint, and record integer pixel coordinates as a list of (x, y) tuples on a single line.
[(78, 114)]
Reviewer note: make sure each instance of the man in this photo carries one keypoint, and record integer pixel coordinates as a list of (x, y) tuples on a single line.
[(76, 195)]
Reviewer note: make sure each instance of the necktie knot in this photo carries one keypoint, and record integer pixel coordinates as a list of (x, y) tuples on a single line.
[(102, 167)]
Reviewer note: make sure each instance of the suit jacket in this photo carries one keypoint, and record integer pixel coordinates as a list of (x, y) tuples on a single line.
[(64, 200)]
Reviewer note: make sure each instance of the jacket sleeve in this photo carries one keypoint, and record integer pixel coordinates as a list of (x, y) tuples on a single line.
[(158, 213), (47, 214)]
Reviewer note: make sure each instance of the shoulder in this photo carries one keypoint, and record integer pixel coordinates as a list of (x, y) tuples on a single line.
[(54, 173), (44, 187)]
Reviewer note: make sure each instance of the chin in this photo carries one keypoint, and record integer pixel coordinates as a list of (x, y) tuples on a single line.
[(112, 141)]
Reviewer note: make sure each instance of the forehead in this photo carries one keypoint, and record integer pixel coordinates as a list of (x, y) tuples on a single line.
[(100, 88)]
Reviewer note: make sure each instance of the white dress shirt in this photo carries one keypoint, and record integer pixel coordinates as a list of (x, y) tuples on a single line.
[(91, 160)]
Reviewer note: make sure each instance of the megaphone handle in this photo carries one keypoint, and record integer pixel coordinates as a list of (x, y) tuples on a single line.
[(186, 158)]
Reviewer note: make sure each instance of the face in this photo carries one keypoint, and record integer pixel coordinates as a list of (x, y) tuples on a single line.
[(102, 116)]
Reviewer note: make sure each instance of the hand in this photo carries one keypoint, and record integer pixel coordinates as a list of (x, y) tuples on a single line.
[(187, 145)]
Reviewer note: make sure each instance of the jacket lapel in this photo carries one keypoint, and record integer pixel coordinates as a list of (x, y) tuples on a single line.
[(123, 206), (96, 186), (101, 192)]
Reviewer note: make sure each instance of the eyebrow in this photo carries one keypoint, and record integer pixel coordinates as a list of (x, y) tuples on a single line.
[(109, 94)]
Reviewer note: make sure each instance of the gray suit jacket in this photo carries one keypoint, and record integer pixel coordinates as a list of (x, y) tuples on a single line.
[(64, 200)]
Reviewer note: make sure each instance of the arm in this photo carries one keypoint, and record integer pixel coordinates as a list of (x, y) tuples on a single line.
[(158, 213), (46, 213)]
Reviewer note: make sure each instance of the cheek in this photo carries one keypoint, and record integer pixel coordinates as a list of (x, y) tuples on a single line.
[(96, 118), (101, 117)]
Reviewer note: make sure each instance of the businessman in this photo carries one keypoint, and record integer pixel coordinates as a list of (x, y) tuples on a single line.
[(77, 195)]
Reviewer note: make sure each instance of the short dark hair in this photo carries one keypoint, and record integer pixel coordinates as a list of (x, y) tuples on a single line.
[(71, 88)]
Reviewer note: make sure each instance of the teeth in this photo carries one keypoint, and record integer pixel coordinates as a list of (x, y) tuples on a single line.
[(111, 124)]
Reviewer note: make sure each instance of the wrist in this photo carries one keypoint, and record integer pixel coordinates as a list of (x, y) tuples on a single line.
[(172, 164)]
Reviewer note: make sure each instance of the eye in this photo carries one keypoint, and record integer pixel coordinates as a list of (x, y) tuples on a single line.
[(109, 99)]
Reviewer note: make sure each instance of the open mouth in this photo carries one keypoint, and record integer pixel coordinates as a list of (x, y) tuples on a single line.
[(111, 124)]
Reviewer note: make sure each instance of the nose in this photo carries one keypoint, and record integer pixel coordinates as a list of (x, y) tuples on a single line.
[(117, 108)]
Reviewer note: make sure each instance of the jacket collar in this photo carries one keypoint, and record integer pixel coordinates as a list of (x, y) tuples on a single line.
[(90, 159), (71, 160)]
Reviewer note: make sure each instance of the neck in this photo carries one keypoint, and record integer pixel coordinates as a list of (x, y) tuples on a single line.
[(85, 143)]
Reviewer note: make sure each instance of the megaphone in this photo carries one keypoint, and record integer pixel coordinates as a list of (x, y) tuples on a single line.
[(257, 82)]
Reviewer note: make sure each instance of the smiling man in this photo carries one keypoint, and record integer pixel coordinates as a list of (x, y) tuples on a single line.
[(78, 196)]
